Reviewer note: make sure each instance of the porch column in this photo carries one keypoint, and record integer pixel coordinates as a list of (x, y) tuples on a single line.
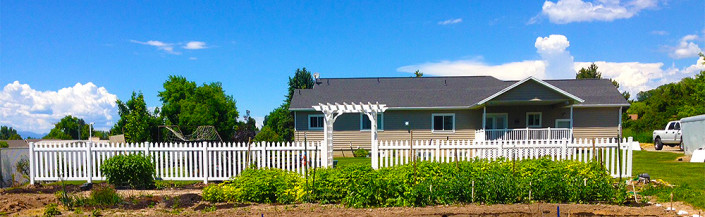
[(327, 149), (484, 118), (571, 122)]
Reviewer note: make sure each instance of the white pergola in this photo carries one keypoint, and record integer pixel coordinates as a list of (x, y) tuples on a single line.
[(333, 111)]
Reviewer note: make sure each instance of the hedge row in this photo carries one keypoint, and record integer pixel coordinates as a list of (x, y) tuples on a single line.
[(427, 184)]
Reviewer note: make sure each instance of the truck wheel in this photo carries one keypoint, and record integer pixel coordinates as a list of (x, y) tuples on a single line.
[(657, 144)]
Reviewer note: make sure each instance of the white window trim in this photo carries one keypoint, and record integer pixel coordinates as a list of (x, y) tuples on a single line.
[(309, 122), (442, 114), (380, 122), (506, 119), (540, 119), (568, 120)]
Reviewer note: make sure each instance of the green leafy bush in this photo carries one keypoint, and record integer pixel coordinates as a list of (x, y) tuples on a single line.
[(258, 185), (4, 144), (134, 171), (104, 195), (429, 183), (361, 152), (51, 210)]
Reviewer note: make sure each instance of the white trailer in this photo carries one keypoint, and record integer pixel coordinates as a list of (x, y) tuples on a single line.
[(693, 131)]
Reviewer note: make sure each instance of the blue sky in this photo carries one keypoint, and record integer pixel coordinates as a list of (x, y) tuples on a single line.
[(76, 57)]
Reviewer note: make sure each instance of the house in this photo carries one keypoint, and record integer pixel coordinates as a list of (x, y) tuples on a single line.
[(469, 107)]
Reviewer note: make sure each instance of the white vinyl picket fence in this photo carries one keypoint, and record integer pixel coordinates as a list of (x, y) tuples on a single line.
[(204, 161), (606, 151)]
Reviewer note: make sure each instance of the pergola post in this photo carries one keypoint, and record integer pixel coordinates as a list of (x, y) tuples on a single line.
[(333, 111)]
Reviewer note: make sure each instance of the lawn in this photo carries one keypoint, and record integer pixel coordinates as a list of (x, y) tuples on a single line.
[(342, 161), (689, 178)]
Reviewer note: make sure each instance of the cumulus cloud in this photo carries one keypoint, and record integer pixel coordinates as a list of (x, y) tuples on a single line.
[(450, 21), (553, 52), (166, 47), (27, 109), (195, 45), (508, 71), (686, 48), (557, 63), (569, 11)]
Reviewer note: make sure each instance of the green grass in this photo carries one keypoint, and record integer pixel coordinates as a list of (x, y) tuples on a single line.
[(342, 161), (688, 178)]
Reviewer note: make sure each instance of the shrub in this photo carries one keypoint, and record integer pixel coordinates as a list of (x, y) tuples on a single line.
[(258, 185), (104, 195), (51, 210), (361, 152), (134, 171), (427, 183), (4, 144)]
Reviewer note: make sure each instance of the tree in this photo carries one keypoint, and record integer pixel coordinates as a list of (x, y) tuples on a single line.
[(68, 128), (245, 130), (136, 122), (418, 74), (267, 134), (591, 73), (189, 106), (302, 80), (281, 120), (7, 133)]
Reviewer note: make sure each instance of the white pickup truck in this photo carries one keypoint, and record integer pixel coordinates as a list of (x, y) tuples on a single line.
[(670, 136)]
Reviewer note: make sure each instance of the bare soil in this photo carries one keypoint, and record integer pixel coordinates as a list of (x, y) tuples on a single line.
[(31, 200)]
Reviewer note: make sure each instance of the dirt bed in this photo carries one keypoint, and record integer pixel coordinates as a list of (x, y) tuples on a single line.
[(30, 201)]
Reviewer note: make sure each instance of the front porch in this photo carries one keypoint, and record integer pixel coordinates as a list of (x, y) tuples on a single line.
[(524, 134)]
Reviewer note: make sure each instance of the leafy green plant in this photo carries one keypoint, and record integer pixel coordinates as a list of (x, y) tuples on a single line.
[(96, 213), (427, 183), (22, 167), (134, 171), (104, 195), (51, 210), (257, 185), (361, 152), (4, 144)]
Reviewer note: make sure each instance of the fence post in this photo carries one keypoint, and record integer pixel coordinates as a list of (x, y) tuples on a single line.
[(31, 163), (630, 140), (564, 149), (499, 149), (549, 134), (205, 163), (89, 163), (438, 150)]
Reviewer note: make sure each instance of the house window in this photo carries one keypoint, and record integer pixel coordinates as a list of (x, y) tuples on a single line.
[(562, 123), (443, 122), (365, 123), (533, 119), (315, 122), (496, 121)]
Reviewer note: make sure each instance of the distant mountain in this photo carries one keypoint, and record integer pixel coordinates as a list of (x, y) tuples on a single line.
[(25, 134)]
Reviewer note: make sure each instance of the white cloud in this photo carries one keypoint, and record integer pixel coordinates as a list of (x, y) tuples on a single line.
[(569, 11), (193, 58), (553, 52), (27, 109), (259, 122), (195, 45), (659, 32), (557, 63), (686, 48), (508, 71), (166, 47), (450, 21)]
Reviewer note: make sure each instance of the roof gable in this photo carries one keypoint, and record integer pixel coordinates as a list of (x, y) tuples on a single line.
[(529, 89)]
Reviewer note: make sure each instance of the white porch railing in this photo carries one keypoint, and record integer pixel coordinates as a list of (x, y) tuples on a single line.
[(173, 161), (617, 159), (524, 134)]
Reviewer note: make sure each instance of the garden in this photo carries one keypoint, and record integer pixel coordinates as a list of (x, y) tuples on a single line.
[(478, 187)]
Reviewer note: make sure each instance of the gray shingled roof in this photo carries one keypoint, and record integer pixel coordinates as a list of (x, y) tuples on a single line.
[(462, 91)]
